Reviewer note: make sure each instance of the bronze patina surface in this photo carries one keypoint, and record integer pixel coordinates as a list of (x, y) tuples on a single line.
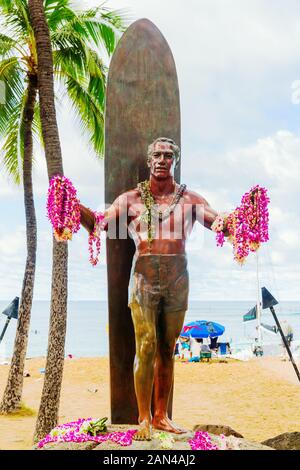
[(142, 103)]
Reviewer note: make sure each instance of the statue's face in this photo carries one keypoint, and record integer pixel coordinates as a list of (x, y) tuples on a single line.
[(162, 161)]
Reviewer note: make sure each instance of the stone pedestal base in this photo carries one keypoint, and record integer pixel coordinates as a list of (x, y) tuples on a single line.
[(180, 442)]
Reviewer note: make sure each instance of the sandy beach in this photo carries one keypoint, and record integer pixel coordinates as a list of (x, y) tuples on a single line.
[(259, 398)]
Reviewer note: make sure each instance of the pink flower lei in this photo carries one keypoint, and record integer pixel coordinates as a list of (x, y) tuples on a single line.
[(63, 208), (75, 431), (247, 224), (94, 238), (202, 441)]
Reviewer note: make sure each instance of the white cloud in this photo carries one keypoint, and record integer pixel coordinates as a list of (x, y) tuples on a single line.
[(7, 187), (12, 242), (290, 237)]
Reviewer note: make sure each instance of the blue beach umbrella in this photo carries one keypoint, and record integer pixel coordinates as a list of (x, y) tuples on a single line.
[(202, 329)]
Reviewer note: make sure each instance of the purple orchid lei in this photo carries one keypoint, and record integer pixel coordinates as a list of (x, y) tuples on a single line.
[(75, 431), (63, 208), (202, 441), (63, 211), (247, 224), (94, 238)]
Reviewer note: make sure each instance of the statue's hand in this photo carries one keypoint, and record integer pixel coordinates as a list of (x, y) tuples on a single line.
[(220, 224)]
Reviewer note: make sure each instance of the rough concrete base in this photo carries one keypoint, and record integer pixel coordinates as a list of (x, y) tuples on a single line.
[(217, 429), (285, 441), (181, 442)]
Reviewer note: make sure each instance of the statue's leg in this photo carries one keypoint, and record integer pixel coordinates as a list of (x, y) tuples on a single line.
[(170, 326), (144, 321)]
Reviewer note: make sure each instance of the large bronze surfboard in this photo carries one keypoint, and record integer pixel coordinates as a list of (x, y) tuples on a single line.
[(142, 103)]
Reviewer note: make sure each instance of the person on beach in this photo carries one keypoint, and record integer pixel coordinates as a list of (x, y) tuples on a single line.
[(185, 347), (257, 348), (159, 215), (196, 344), (289, 335)]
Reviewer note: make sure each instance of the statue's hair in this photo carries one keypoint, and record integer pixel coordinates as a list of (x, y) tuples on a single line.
[(175, 147)]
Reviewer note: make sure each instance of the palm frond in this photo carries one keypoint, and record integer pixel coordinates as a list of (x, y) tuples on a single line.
[(75, 36), (10, 116), (100, 33), (96, 26), (16, 19), (6, 5), (100, 26), (66, 37), (69, 59), (97, 73), (89, 70), (57, 11), (12, 149), (89, 112), (118, 19), (37, 126), (51, 5), (81, 61), (12, 78), (6, 44)]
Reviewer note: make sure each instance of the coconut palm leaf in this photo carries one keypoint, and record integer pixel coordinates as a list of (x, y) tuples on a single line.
[(12, 78), (89, 113), (82, 65), (57, 11), (97, 72), (6, 5), (69, 58), (16, 17), (37, 127), (10, 116), (114, 18), (99, 26), (7, 44), (12, 149)]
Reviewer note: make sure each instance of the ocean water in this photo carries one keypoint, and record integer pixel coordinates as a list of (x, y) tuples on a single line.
[(87, 326)]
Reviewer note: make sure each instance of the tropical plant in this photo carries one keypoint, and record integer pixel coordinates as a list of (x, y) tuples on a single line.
[(77, 38)]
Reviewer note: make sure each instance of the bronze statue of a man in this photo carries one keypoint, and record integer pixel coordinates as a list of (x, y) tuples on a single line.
[(159, 215)]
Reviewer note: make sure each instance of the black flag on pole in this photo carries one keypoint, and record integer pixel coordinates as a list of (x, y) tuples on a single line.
[(268, 302), (271, 328), (13, 309), (251, 315)]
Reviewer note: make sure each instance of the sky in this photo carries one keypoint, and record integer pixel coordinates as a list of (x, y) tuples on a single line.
[(238, 65)]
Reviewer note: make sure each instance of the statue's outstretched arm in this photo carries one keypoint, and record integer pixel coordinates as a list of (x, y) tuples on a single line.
[(118, 207), (213, 218), (87, 218), (209, 215), (206, 215)]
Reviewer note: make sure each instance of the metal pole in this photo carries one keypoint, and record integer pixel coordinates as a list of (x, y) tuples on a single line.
[(4, 329), (258, 303), (285, 342)]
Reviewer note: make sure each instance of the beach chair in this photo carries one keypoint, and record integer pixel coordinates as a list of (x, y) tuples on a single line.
[(222, 349), (205, 356), (222, 352)]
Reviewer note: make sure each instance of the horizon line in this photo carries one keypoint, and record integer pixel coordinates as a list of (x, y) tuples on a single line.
[(191, 300)]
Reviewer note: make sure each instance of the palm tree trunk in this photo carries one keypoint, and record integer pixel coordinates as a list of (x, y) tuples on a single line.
[(49, 406), (13, 391)]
